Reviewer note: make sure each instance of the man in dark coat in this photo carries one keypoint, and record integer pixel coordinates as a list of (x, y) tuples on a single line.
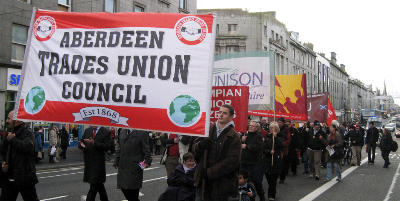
[(219, 157), (284, 133), (95, 142), (64, 137), (372, 138), (132, 155), (356, 136), (251, 156), (18, 166), (316, 141), (386, 146)]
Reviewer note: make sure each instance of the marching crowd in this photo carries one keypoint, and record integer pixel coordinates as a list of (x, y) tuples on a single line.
[(226, 165)]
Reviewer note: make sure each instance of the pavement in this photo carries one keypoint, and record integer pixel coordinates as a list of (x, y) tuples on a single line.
[(74, 158)]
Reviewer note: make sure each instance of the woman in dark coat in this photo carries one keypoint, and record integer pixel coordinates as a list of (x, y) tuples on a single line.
[(95, 142), (272, 156), (386, 146), (133, 152)]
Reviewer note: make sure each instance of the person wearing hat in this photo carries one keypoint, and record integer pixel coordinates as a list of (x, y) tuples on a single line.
[(316, 142), (284, 133)]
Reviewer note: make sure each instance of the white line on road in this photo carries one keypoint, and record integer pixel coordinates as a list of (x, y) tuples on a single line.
[(155, 179), (317, 192), (147, 169), (393, 183), (62, 170), (64, 196), (59, 175)]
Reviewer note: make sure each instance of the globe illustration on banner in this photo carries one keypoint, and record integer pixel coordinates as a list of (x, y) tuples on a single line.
[(184, 111), (35, 100)]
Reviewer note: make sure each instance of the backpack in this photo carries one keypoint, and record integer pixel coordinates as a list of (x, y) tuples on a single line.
[(394, 146)]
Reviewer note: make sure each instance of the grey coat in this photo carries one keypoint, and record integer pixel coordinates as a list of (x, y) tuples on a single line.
[(133, 149)]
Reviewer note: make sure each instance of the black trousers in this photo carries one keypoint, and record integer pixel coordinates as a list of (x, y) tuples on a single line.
[(285, 167), (131, 194), (385, 156), (371, 153), (255, 176), (10, 192), (63, 153), (272, 180), (94, 188), (293, 161)]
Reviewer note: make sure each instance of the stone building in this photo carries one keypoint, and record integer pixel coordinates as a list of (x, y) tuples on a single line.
[(15, 16)]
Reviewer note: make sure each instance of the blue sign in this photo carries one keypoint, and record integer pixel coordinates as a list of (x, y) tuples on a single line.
[(14, 79)]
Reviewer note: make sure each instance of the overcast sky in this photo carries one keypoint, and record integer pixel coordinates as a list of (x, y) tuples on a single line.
[(365, 34)]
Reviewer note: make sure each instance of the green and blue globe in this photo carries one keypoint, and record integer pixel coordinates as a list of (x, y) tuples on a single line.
[(35, 100), (184, 111)]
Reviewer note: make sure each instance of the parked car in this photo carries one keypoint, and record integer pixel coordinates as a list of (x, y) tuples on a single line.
[(391, 127)]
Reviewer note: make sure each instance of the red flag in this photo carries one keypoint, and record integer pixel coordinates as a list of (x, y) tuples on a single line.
[(331, 113)]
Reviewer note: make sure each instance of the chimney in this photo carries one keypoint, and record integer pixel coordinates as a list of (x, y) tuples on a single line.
[(343, 67), (322, 54), (333, 57)]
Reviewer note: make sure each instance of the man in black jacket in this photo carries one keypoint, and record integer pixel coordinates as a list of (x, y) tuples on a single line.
[(316, 142), (372, 138), (132, 156), (356, 136), (19, 162), (251, 155), (95, 142)]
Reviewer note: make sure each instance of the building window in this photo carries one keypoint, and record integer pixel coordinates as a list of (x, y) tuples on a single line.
[(19, 38), (183, 4), (63, 5), (272, 34), (232, 48), (138, 8), (217, 29), (265, 31), (25, 1), (232, 28), (109, 6)]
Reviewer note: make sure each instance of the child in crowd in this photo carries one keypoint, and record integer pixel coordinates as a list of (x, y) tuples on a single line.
[(246, 189), (181, 181)]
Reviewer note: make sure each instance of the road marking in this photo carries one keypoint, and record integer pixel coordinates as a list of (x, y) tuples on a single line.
[(59, 175), (147, 169), (61, 170), (393, 183), (155, 179), (55, 198), (317, 192)]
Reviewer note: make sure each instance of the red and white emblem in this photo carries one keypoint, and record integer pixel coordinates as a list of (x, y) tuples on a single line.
[(44, 28), (191, 30)]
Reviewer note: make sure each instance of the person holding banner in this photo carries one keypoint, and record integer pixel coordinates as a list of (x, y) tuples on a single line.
[(218, 156), (132, 156), (94, 143), (271, 158), (18, 165)]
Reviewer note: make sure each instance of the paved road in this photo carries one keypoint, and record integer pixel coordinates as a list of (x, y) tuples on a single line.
[(367, 183)]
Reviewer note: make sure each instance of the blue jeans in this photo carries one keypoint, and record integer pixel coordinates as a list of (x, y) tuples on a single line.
[(329, 170)]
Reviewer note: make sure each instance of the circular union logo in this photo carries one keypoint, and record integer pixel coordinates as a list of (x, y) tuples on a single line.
[(184, 111), (191, 30), (44, 28), (35, 100)]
